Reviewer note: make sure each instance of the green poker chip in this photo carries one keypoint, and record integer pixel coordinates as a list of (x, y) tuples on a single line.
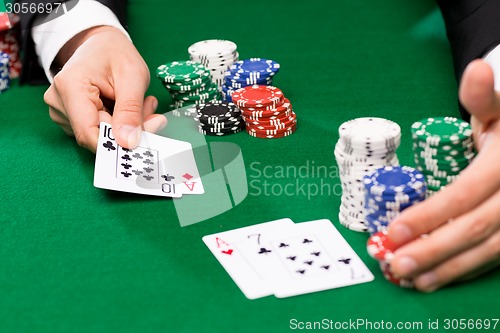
[(441, 130), (442, 147), (184, 87), (181, 71)]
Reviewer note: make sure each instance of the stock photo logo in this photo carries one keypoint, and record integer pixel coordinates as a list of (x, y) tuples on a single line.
[(307, 180), (221, 168)]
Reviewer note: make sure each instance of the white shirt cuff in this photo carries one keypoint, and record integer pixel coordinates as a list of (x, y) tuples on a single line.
[(493, 59), (50, 37)]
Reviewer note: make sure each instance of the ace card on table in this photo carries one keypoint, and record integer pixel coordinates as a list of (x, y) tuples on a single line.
[(287, 259), (157, 166)]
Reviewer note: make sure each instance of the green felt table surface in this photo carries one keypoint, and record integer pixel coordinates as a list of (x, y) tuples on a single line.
[(74, 258)]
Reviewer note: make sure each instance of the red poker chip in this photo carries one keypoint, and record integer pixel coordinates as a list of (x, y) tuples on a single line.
[(280, 107), (4, 22), (380, 247), (265, 119), (258, 96), (273, 136), (281, 117), (253, 130), (385, 267), (274, 123), (280, 126)]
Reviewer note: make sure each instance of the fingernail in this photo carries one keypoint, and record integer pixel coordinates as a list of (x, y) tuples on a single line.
[(428, 281), (163, 124), (131, 134), (155, 104), (400, 233), (406, 266)]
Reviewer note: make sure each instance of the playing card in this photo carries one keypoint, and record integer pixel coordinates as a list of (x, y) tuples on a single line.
[(308, 257), (158, 166), (224, 247)]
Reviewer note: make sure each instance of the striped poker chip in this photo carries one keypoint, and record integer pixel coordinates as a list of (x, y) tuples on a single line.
[(281, 123), (181, 71), (256, 67), (212, 48), (278, 117), (258, 96), (271, 131), (222, 125), (361, 131), (380, 247), (217, 111), (221, 132)]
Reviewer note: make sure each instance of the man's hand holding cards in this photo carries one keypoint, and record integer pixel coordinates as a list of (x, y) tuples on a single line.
[(158, 166)]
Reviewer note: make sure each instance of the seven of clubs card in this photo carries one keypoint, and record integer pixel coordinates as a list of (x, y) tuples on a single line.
[(158, 166), (287, 259)]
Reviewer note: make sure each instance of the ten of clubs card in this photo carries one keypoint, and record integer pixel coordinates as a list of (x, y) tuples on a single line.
[(157, 166)]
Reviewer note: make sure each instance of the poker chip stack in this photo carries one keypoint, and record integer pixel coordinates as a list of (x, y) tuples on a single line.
[(188, 82), (382, 249), (389, 191), (219, 118), (442, 148), (365, 144), (4, 72), (9, 42), (243, 73), (266, 111), (216, 55)]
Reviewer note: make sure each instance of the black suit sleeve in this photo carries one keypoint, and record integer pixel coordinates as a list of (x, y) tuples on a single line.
[(32, 72), (473, 28)]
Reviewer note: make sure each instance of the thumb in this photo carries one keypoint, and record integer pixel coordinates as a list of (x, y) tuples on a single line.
[(128, 112), (477, 92)]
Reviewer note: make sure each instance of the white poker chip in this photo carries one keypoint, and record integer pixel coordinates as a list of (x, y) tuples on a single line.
[(376, 131), (212, 48)]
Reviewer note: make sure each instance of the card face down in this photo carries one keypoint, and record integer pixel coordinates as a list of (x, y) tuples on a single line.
[(158, 166), (225, 247)]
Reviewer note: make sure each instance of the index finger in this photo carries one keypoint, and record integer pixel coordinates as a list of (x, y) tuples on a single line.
[(476, 183)]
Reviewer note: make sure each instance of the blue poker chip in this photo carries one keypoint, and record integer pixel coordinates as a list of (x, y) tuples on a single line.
[(384, 215), (374, 225), (238, 82), (249, 80), (391, 180), (372, 205), (239, 85), (228, 91), (410, 194), (256, 67)]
